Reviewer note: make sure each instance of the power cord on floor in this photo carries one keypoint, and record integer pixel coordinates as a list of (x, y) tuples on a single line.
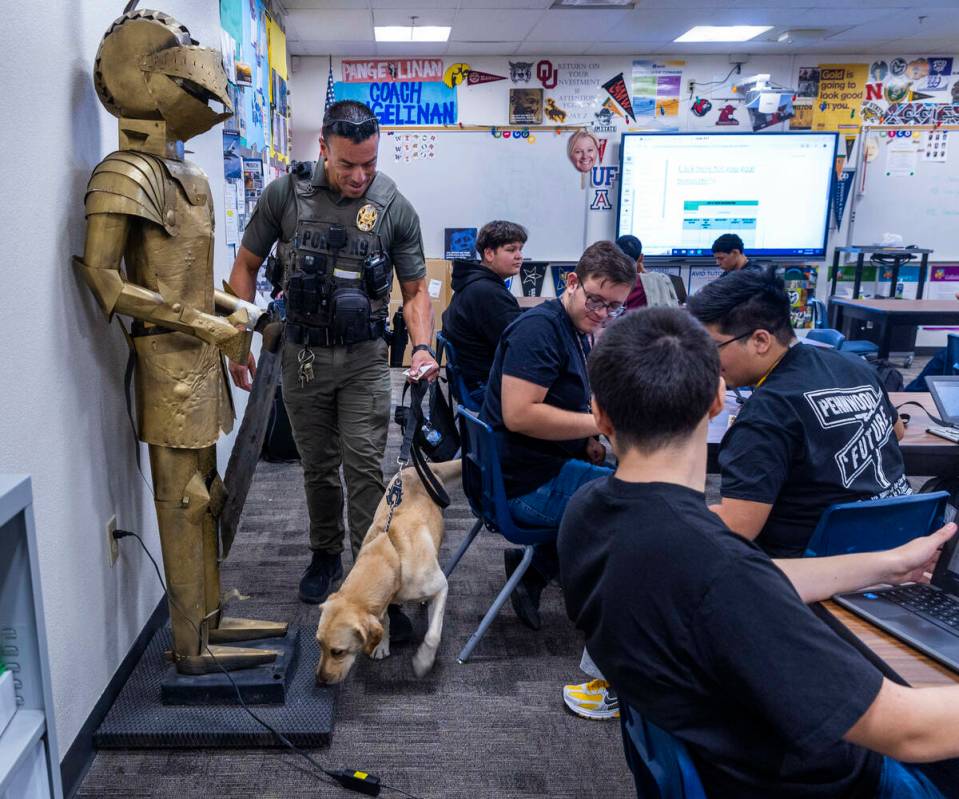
[(351, 779)]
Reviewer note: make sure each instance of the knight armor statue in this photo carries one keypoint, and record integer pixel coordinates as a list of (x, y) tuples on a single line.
[(147, 206)]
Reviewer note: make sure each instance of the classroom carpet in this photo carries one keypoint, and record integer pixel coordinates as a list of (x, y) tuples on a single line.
[(494, 727)]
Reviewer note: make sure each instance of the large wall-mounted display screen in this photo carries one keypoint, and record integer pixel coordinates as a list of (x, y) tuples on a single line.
[(680, 191)]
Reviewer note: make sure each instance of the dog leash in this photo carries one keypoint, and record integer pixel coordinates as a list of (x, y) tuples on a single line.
[(410, 420)]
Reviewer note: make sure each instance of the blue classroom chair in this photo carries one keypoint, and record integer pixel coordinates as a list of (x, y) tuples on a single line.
[(828, 336), (454, 377), (661, 765), (483, 486), (861, 347), (875, 525)]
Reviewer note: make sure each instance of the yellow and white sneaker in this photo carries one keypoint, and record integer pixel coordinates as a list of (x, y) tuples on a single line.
[(592, 700)]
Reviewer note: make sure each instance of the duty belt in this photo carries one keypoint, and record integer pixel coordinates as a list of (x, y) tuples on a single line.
[(323, 336)]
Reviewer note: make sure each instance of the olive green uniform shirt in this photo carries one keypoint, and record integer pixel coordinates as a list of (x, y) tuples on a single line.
[(274, 218)]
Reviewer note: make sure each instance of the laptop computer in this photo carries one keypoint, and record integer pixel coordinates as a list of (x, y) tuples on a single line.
[(679, 287), (924, 616), (945, 393)]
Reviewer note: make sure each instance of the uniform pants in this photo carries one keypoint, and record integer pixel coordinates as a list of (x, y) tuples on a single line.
[(341, 417)]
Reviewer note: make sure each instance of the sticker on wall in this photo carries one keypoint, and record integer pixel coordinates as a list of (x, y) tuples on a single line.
[(898, 66), (546, 74), (600, 201), (874, 91), (603, 176), (701, 107), (935, 151), (727, 116), (531, 278), (808, 83), (560, 273), (917, 69), (455, 74), (525, 107), (878, 71), (896, 91), (409, 147), (460, 242), (554, 112), (616, 86), (603, 120), (476, 78), (583, 150), (520, 71)]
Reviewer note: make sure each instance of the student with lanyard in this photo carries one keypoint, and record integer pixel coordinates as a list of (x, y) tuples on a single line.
[(817, 429), (705, 636), (538, 403)]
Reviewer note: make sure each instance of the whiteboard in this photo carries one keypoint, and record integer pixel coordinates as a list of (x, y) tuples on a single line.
[(923, 208), (474, 178)]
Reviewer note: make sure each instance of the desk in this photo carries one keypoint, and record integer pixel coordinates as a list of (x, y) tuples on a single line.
[(914, 667), (531, 302), (888, 314), (923, 454)]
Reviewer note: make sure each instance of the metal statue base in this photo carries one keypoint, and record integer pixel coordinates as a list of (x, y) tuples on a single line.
[(139, 720), (265, 684)]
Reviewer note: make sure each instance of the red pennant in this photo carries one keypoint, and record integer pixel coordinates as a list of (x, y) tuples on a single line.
[(474, 77), (602, 149), (617, 90)]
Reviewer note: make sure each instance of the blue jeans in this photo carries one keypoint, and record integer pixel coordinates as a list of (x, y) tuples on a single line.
[(545, 506), (900, 781), (935, 367)]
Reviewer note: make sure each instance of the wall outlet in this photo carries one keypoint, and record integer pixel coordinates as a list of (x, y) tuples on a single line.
[(113, 548)]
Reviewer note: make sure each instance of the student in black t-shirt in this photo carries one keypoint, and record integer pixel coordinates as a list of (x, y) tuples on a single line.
[(729, 255), (482, 306), (699, 631), (537, 402), (818, 428)]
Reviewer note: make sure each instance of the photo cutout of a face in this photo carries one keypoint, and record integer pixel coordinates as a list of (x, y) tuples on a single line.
[(583, 151)]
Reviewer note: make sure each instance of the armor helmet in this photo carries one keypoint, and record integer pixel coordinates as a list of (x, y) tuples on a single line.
[(148, 67)]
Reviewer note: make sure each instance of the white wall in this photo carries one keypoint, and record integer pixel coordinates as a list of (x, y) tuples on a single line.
[(62, 411)]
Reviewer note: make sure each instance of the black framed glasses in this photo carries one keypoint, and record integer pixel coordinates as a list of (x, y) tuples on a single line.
[(741, 336), (595, 304)]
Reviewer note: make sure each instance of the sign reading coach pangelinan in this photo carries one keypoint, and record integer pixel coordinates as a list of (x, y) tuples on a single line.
[(404, 103)]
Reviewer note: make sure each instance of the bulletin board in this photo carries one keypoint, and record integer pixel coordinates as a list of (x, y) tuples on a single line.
[(464, 178), (910, 187)]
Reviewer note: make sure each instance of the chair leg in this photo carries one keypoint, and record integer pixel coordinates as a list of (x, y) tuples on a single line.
[(463, 547), (497, 604)]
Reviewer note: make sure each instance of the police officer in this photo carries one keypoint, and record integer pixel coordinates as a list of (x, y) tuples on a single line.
[(341, 232)]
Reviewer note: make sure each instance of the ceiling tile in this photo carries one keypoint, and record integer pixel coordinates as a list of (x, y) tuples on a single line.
[(904, 24), (355, 5), (424, 16), (340, 48), (482, 26), (552, 49), (402, 5), (305, 25), (513, 4), (482, 48), (564, 25)]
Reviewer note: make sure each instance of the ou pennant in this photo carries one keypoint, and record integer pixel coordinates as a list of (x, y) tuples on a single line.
[(475, 77), (616, 87)]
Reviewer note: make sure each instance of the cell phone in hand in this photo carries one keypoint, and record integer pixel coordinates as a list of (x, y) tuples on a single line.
[(423, 370)]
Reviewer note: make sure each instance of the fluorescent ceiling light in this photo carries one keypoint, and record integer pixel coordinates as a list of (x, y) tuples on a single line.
[(723, 33), (408, 33)]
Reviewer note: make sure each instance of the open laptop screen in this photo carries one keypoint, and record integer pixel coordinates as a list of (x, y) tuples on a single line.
[(945, 393)]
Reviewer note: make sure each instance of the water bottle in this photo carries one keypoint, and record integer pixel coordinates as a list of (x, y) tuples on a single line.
[(433, 437)]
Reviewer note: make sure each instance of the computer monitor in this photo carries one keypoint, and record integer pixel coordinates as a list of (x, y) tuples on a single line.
[(945, 393)]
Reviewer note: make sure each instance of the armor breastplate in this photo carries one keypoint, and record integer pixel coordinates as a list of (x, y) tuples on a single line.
[(182, 397), (321, 266)]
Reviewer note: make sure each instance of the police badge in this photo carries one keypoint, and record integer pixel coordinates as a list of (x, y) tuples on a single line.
[(366, 218)]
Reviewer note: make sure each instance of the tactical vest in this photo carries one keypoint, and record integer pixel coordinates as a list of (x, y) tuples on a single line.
[(336, 273)]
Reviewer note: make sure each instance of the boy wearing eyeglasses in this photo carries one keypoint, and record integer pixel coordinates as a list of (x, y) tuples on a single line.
[(538, 403), (818, 428)]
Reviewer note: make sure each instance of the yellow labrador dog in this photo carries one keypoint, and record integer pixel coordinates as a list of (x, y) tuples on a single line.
[(398, 565)]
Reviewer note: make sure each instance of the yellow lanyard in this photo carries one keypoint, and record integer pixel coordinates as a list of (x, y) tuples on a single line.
[(771, 369)]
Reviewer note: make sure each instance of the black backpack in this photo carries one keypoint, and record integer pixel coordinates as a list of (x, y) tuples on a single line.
[(278, 444), (890, 378)]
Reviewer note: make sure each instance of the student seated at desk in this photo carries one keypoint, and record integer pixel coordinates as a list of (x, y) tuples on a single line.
[(537, 402), (818, 428), (482, 306), (704, 635), (652, 288), (729, 255)]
